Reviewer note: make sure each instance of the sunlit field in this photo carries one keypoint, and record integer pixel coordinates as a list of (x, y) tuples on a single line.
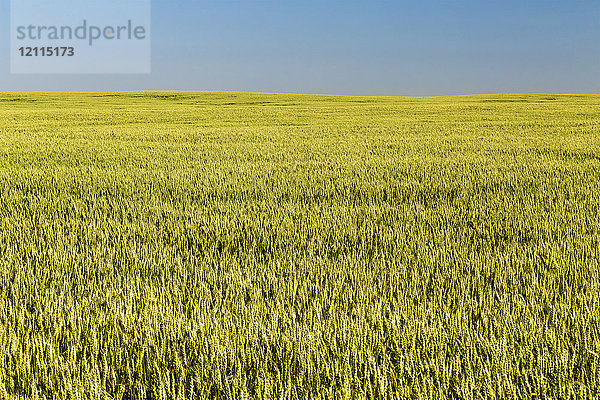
[(175, 245)]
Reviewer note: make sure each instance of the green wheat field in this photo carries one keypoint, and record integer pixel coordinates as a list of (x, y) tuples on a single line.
[(183, 245)]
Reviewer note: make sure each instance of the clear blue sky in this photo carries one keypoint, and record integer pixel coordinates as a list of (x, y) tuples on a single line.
[(355, 47)]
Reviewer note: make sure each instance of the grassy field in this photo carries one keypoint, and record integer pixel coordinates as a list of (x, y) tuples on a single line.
[(172, 245)]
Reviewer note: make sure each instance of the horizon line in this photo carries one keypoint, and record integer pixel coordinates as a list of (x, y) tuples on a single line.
[(297, 94)]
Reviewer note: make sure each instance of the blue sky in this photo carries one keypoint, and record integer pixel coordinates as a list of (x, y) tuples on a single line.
[(355, 47)]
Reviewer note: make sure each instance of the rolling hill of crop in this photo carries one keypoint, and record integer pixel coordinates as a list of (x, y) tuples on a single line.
[(178, 245)]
